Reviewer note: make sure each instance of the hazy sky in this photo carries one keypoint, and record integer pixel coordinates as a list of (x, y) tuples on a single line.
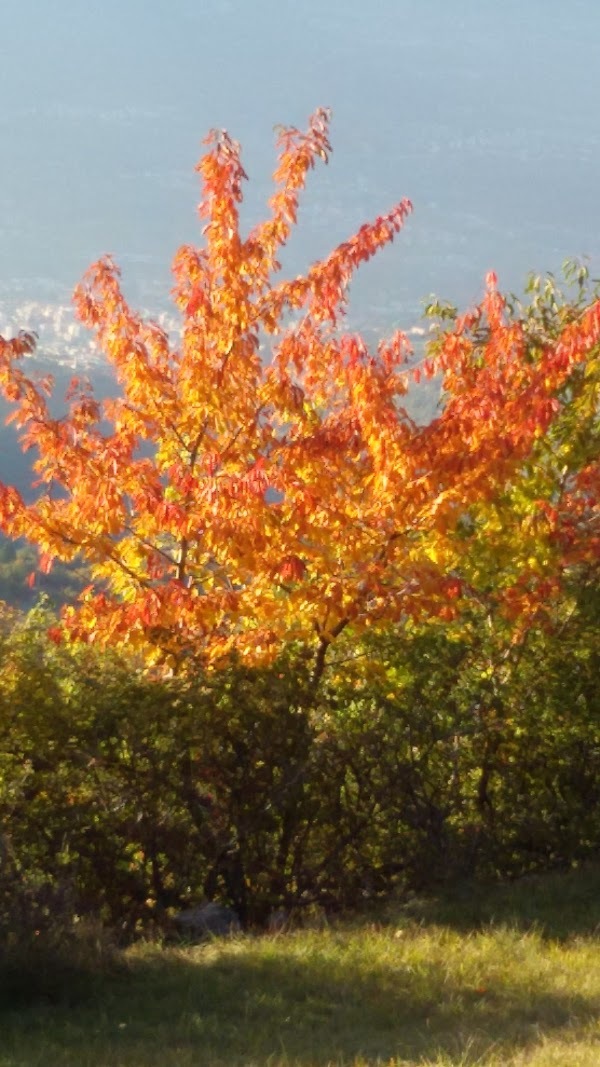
[(484, 113)]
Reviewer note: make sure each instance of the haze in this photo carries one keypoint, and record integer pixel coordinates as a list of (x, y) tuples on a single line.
[(483, 113)]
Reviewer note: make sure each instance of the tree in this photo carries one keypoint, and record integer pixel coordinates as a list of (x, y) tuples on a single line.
[(261, 480), (538, 534)]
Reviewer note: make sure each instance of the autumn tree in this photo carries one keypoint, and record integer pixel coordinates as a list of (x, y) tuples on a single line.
[(259, 479), (538, 532)]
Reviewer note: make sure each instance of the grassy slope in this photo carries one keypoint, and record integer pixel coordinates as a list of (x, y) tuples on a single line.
[(466, 980)]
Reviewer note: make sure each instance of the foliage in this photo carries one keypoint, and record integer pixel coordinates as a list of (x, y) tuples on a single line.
[(428, 756), (61, 585), (261, 482), (259, 499), (542, 528)]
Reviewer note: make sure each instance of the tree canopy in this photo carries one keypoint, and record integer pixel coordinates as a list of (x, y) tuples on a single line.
[(259, 479)]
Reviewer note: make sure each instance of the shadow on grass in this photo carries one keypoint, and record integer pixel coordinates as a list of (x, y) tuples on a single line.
[(295, 1003), (558, 906), (354, 995), (57, 968)]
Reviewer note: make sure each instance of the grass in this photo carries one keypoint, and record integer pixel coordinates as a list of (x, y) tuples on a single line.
[(510, 976)]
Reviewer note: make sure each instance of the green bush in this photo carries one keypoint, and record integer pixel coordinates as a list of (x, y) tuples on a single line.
[(423, 757)]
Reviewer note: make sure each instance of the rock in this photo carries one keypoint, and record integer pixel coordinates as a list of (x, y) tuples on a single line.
[(279, 921), (207, 920)]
